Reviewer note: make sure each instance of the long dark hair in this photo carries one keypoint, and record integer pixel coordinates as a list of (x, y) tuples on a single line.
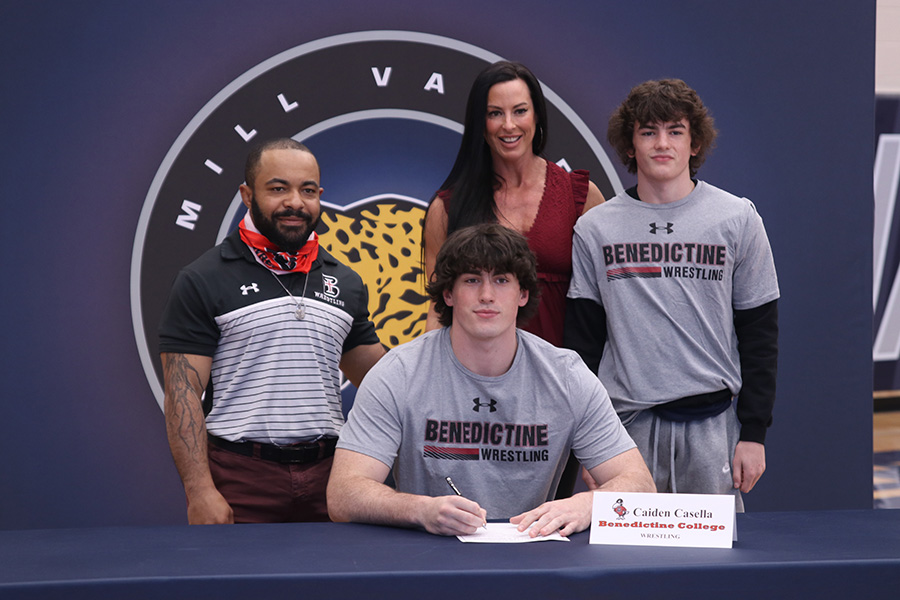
[(472, 181)]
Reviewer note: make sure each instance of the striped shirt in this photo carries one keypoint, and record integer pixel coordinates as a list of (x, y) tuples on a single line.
[(275, 379)]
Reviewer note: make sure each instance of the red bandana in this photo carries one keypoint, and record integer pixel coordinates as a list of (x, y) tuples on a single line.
[(273, 258)]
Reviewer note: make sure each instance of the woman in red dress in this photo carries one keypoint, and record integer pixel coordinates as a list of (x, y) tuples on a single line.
[(500, 176)]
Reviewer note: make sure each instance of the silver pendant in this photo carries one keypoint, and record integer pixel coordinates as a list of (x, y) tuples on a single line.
[(300, 313)]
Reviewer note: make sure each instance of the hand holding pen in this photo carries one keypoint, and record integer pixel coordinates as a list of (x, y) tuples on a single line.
[(457, 492)]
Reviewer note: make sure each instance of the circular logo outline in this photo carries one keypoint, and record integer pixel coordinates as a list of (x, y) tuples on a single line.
[(246, 79)]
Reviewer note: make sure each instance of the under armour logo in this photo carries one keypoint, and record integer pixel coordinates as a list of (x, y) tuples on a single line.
[(329, 285), (654, 228), (246, 288), (478, 404)]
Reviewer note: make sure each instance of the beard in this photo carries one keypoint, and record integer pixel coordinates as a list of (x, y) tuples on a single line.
[(288, 239)]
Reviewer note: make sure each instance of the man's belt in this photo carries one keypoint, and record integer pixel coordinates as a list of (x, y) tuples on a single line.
[(294, 454)]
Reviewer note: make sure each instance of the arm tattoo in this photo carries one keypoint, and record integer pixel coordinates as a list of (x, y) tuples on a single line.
[(183, 408)]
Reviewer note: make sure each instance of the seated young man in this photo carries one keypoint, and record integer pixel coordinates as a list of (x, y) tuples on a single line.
[(493, 408)]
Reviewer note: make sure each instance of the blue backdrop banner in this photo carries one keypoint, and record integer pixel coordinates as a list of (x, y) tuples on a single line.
[(126, 126)]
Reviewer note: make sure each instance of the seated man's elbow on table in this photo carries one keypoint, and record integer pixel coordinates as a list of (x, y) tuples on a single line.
[(353, 477), (626, 472)]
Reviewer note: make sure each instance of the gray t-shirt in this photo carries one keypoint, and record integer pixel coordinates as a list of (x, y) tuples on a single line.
[(503, 440), (669, 277)]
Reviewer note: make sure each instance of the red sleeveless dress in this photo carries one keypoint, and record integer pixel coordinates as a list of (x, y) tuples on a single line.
[(550, 238)]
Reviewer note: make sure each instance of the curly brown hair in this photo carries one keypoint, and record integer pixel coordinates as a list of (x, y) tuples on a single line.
[(487, 247), (661, 101)]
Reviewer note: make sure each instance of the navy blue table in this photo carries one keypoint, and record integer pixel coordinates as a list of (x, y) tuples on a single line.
[(827, 554)]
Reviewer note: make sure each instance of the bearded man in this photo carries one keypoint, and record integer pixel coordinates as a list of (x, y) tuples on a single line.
[(262, 324)]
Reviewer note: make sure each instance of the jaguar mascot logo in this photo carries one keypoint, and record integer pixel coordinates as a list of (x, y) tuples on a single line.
[(382, 111), (381, 243)]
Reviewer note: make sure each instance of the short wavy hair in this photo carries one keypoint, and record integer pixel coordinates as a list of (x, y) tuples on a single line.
[(487, 247), (661, 101)]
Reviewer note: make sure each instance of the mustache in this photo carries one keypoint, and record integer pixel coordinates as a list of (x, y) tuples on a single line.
[(289, 212)]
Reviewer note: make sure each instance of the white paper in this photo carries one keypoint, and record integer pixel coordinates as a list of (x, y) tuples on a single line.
[(507, 533)]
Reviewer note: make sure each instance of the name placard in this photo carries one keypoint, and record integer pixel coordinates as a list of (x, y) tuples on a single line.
[(637, 519)]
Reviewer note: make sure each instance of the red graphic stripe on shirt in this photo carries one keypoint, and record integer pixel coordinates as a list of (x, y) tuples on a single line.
[(631, 272), (450, 453)]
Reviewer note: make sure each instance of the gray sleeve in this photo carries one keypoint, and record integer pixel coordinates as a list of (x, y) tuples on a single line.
[(583, 284), (755, 282), (373, 426), (599, 434)]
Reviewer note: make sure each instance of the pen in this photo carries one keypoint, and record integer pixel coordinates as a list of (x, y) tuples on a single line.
[(457, 492)]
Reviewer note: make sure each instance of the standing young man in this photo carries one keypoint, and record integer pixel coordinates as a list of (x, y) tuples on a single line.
[(673, 301), (493, 408), (266, 319)]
